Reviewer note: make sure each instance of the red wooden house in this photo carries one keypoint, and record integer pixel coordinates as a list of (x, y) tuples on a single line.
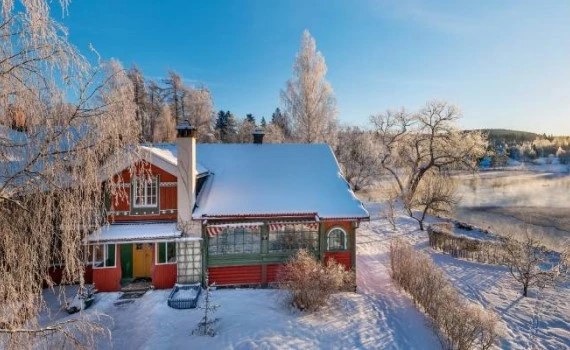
[(235, 211)]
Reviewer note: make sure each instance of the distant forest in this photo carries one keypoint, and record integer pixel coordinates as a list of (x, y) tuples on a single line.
[(527, 146)]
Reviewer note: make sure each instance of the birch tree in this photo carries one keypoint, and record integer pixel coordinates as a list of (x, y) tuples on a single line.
[(419, 149), (308, 98), (73, 119)]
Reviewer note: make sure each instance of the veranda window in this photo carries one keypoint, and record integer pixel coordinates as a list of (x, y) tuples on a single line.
[(336, 239), (288, 238), (166, 253), (145, 193), (235, 241), (104, 255)]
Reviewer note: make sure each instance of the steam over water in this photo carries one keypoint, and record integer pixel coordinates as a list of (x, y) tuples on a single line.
[(513, 202)]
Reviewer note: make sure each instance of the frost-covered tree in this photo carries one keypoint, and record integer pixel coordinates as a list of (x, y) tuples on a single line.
[(140, 100), (198, 109), (418, 148), (529, 262), (74, 118), (245, 130), (308, 97), (174, 93), (358, 154)]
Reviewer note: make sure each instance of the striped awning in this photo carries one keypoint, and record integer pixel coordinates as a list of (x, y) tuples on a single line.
[(280, 226), (217, 229)]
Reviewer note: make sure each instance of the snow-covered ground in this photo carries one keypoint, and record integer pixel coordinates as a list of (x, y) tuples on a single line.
[(541, 320), (378, 316)]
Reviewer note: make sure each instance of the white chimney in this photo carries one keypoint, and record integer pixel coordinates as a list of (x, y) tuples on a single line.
[(186, 183)]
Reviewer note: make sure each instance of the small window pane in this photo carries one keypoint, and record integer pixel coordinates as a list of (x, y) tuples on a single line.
[(161, 253), (171, 252), (110, 255)]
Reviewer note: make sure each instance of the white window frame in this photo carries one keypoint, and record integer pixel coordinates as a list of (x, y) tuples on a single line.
[(105, 256), (157, 245), (136, 185), (344, 240)]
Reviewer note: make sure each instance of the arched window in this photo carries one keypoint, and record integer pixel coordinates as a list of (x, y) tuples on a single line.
[(336, 239)]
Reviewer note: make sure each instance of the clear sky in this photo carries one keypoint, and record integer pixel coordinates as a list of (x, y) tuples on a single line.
[(505, 63)]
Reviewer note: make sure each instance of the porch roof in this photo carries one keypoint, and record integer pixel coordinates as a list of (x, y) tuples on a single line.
[(136, 232)]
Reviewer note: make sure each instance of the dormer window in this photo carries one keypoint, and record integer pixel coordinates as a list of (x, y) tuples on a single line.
[(145, 193)]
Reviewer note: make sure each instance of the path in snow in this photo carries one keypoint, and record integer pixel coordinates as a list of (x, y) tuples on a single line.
[(407, 327)]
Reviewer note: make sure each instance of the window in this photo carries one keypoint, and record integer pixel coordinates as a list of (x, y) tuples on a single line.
[(336, 239), (104, 255), (145, 193), (166, 253), (290, 238), (235, 241)]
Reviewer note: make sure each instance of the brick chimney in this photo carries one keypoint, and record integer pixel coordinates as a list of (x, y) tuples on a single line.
[(258, 134), (186, 183)]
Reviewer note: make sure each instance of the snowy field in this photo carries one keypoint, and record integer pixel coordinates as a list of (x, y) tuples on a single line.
[(378, 316)]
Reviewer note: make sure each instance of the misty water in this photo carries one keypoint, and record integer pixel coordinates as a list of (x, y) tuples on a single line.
[(514, 202)]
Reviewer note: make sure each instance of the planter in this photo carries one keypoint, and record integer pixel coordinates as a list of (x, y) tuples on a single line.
[(184, 296)]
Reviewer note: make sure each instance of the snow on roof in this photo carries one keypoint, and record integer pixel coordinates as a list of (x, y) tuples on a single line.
[(138, 231), (168, 152), (274, 179)]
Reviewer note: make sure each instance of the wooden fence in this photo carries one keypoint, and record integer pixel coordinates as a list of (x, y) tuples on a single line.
[(489, 252)]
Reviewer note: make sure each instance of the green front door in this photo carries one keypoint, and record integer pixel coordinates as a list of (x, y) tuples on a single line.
[(127, 260)]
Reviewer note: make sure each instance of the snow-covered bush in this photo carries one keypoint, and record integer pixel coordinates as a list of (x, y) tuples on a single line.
[(310, 283), (460, 325)]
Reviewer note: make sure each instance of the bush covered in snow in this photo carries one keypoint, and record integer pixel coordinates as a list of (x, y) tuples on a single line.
[(461, 325), (310, 283)]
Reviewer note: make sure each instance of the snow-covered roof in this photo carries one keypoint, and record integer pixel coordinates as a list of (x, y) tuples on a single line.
[(166, 157), (274, 180), (133, 232)]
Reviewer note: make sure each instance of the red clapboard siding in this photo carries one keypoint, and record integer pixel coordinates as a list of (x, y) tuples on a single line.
[(163, 275), (343, 258), (273, 272), (235, 275), (108, 279), (167, 196)]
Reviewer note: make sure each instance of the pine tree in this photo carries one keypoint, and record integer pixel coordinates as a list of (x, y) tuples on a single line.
[(250, 118), (231, 127), (263, 122), (221, 125), (281, 120)]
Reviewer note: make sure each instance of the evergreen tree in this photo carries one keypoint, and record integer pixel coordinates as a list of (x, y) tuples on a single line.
[(263, 122), (231, 127), (221, 125), (281, 120), (226, 125), (250, 118)]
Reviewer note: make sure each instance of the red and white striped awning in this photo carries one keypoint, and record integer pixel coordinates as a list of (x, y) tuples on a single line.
[(280, 226), (217, 229)]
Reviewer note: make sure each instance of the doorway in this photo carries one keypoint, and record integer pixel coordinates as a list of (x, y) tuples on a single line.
[(142, 259)]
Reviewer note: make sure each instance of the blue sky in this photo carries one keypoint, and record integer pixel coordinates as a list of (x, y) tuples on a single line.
[(505, 63)]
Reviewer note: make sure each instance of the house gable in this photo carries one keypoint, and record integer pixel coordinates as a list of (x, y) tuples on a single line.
[(121, 207)]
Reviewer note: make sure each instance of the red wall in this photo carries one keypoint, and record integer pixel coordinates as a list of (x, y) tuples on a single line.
[(235, 275), (168, 196), (273, 272), (343, 258), (55, 273), (163, 275), (108, 279)]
